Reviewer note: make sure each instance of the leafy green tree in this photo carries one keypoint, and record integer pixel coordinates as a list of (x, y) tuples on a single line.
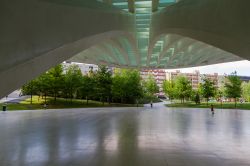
[(103, 83), (208, 89), (133, 88), (151, 86), (126, 86), (183, 88), (30, 89), (233, 87), (87, 87), (44, 85), (220, 93), (118, 86), (73, 78), (246, 91), (56, 80), (196, 96), (169, 89)]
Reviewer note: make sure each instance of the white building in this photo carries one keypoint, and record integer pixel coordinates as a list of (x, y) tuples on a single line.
[(85, 68)]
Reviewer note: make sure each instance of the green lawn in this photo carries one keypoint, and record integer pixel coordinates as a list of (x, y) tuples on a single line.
[(60, 103), (228, 105)]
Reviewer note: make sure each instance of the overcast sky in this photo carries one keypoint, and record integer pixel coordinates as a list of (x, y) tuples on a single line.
[(242, 68)]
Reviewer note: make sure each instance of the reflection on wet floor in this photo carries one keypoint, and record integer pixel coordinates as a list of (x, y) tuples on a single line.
[(125, 137)]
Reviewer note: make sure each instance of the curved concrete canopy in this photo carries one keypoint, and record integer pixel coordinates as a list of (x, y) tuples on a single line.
[(223, 24), (38, 34)]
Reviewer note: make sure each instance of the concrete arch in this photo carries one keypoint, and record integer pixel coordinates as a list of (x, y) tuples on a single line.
[(19, 74), (186, 48), (222, 24), (38, 34)]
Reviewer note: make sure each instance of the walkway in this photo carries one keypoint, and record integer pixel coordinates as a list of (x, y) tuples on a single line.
[(14, 97), (125, 137)]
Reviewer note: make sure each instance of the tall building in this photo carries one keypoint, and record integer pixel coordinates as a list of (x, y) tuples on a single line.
[(195, 78), (158, 74), (213, 77)]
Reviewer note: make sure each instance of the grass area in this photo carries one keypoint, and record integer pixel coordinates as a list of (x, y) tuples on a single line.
[(37, 103), (227, 105)]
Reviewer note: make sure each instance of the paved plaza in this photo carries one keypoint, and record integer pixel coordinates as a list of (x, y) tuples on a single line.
[(125, 137)]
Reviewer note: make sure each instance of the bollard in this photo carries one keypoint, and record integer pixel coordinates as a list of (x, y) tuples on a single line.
[(4, 107)]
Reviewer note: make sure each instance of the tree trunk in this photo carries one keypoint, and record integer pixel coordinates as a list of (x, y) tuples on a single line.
[(221, 103), (87, 100), (71, 97), (207, 101), (31, 97), (235, 102), (54, 97), (45, 97)]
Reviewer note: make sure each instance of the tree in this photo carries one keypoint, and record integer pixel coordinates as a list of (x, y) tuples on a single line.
[(196, 96), (126, 85), (30, 89), (56, 80), (168, 88), (103, 83), (233, 87), (246, 91), (208, 89), (133, 88), (118, 86), (220, 94), (183, 88), (151, 86), (87, 87), (73, 79), (44, 85)]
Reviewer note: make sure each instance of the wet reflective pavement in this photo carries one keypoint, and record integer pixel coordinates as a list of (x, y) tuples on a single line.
[(125, 137)]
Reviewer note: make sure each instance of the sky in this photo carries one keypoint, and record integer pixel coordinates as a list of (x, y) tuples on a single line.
[(242, 68)]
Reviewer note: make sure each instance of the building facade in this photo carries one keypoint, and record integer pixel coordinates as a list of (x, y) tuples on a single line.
[(85, 68), (195, 78), (158, 74)]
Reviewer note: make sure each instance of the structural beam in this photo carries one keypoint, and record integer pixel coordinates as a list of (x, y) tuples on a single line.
[(222, 24), (131, 6), (155, 4), (108, 2)]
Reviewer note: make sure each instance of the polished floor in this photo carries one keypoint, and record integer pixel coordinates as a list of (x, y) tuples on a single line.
[(125, 137)]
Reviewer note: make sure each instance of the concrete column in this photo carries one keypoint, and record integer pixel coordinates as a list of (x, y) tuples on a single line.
[(131, 6)]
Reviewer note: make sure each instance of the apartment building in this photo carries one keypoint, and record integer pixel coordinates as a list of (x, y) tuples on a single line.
[(158, 74), (195, 78)]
